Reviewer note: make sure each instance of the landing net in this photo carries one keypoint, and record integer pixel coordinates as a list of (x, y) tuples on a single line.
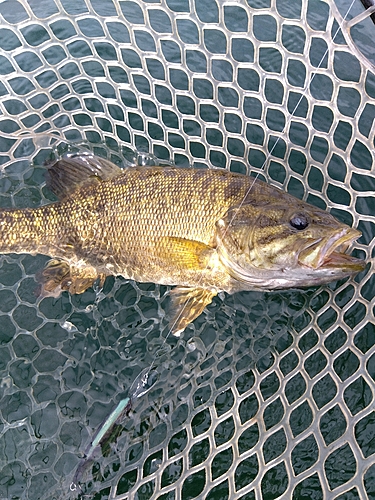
[(266, 395)]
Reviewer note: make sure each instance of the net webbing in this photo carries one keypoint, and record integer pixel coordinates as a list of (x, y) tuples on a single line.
[(266, 395)]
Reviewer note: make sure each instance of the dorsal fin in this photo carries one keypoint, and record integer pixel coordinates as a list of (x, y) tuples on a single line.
[(75, 170)]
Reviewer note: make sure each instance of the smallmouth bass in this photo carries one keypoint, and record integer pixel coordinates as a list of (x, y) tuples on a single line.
[(204, 231)]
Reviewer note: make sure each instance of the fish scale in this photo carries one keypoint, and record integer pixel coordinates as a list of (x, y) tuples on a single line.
[(203, 230)]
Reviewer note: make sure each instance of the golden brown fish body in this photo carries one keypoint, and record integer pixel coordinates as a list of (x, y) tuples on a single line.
[(203, 230), (147, 224)]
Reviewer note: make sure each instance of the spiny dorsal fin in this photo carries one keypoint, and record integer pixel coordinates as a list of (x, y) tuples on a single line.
[(187, 304), (73, 171)]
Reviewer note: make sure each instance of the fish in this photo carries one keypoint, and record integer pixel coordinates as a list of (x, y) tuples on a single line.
[(202, 231)]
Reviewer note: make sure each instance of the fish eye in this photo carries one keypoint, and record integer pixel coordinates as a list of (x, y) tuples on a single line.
[(299, 222)]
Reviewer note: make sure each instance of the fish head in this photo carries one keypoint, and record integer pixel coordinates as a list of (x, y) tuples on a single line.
[(285, 243)]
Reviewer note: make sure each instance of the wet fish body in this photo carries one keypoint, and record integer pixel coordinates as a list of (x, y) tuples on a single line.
[(203, 230)]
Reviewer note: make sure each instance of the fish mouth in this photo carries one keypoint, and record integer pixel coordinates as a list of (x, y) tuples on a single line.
[(330, 253)]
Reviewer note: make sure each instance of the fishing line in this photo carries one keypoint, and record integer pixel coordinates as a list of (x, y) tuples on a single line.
[(189, 300), (290, 116)]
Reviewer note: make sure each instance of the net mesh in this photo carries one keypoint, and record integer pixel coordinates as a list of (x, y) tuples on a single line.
[(266, 395)]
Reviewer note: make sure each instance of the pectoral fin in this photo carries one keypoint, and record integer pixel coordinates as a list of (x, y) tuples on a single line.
[(58, 276), (188, 304), (185, 254)]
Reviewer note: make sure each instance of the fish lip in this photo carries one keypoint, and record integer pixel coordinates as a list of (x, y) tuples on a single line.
[(343, 261), (330, 252)]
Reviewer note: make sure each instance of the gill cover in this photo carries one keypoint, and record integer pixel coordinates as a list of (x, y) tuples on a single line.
[(236, 245)]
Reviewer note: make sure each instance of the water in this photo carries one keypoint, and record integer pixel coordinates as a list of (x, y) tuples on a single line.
[(265, 365)]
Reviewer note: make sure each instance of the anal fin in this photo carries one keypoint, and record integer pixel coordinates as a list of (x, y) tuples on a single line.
[(188, 304), (58, 276)]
